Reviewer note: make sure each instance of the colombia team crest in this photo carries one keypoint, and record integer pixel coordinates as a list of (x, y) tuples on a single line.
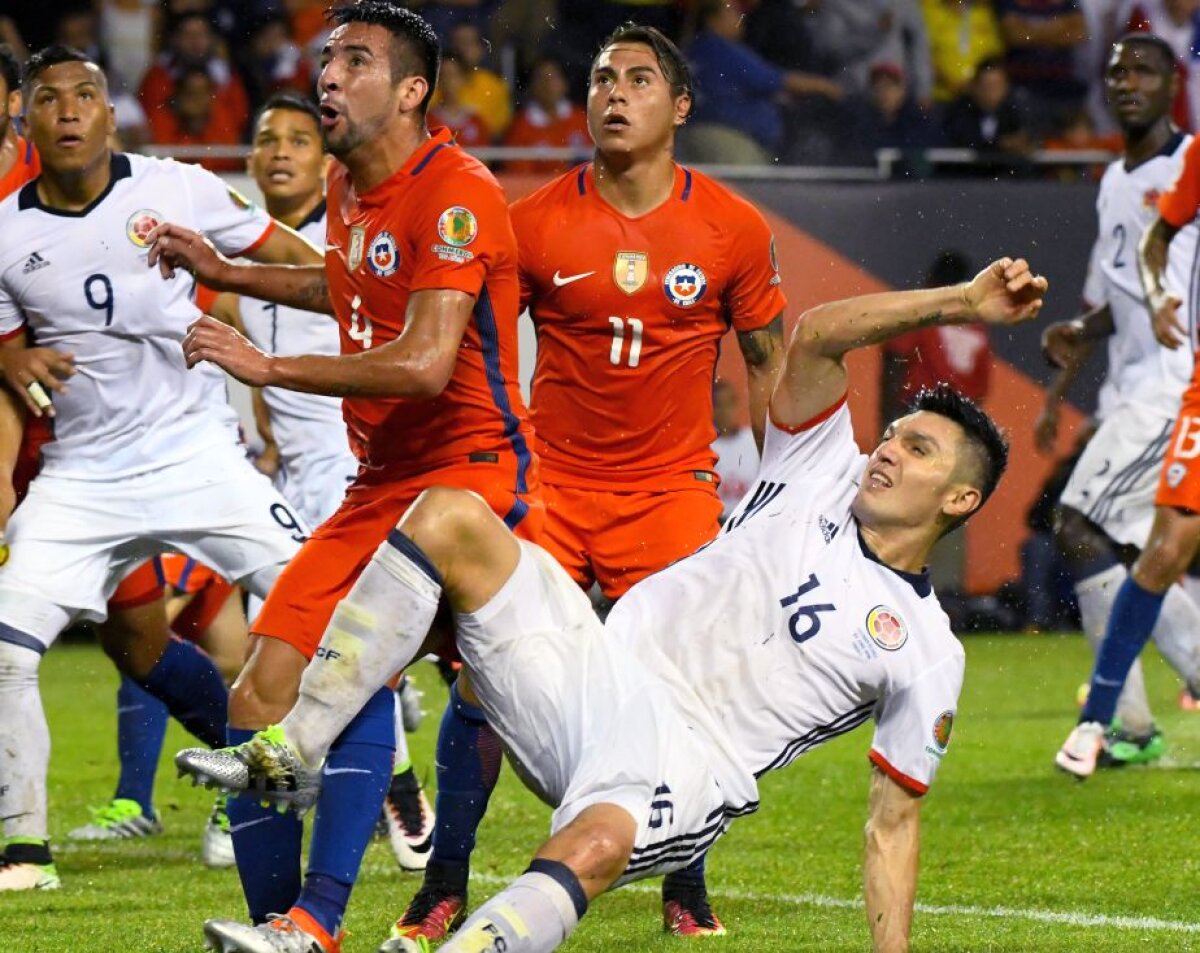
[(383, 257), (141, 223), (685, 285), (942, 728), (886, 628), (630, 270), (457, 226)]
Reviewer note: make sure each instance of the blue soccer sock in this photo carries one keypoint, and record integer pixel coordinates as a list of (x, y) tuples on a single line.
[(1133, 616), (682, 883), (355, 779), (188, 683), (468, 766), (141, 726), (266, 844)]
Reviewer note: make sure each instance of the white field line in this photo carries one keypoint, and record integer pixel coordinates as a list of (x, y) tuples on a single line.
[(1064, 917)]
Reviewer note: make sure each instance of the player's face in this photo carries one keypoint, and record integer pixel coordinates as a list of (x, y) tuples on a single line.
[(70, 118), (286, 159), (358, 96), (630, 105), (10, 107), (912, 477), (1139, 86)]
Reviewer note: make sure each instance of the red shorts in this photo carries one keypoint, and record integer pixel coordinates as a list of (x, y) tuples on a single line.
[(184, 574), (1179, 479), (141, 587), (309, 588), (618, 539)]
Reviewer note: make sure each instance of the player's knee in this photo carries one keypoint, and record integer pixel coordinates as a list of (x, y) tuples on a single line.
[(444, 519), (18, 667), (599, 852)]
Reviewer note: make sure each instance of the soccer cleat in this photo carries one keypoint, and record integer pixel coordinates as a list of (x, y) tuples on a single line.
[(433, 914), (411, 712), (409, 821), (293, 932), (1188, 700), (17, 876), (267, 764), (691, 916), (1122, 748), (405, 944), (1081, 750), (216, 847), (120, 819)]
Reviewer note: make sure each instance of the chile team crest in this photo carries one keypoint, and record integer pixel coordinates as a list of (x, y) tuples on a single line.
[(383, 256), (886, 628), (685, 285), (141, 223)]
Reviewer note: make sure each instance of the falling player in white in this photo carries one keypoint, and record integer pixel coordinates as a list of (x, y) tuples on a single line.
[(139, 461), (1109, 502), (808, 616)]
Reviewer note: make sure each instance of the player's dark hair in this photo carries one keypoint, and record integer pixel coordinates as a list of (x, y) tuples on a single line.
[(987, 443), (1154, 41), (287, 100), (10, 69), (53, 55), (670, 60), (416, 50)]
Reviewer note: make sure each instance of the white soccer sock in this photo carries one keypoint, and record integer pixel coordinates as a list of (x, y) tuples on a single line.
[(535, 914), (402, 755), (375, 631), (1096, 595), (24, 744), (1177, 634)]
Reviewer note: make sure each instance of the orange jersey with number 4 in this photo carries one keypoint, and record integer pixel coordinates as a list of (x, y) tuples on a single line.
[(440, 222), (629, 315)]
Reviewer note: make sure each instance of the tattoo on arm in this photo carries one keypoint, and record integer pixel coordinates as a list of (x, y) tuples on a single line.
[(316, 294), (760, 345)]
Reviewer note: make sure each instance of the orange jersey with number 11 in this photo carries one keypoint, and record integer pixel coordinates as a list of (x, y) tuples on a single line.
[(629, 315)]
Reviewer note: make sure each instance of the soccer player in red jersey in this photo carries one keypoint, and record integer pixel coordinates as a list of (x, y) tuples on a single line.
[(421, 274), (633, 268)]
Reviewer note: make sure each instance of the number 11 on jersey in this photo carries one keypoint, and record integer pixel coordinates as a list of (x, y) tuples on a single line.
[(618, 341)]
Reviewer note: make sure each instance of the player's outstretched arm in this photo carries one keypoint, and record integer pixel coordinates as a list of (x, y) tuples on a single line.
[(814, 376), (1164, 305), (763, 352), (418, 363), (286, 268), (893, 835)]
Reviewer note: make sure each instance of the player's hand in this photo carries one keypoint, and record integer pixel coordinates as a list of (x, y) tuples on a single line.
[(1063, 343), (1006, 292), (173, 246), (33, 372), (267, 462), (1169, 330), (210, 340), (1045, 430)]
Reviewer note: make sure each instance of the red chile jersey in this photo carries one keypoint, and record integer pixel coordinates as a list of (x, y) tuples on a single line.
[(439, 222)]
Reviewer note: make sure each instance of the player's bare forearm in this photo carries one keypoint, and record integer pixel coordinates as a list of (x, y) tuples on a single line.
[(763, 351), (890, 863), (1152, 259), (390, 371), (296, 286)]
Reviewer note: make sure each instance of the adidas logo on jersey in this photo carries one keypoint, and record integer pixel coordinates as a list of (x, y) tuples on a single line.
[(33, 263), (828, 528)]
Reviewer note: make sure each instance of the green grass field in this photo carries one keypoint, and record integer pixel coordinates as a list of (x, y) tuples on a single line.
[(1015, 857)]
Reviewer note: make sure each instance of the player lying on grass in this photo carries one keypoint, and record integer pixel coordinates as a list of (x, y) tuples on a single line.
[(809, 615)]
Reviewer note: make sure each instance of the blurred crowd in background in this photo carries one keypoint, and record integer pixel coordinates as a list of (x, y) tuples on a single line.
[(818, 82)]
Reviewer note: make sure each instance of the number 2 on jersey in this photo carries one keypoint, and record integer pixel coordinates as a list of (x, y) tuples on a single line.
[(360, 324), (618, 342), (104, 304), (1119, 235)]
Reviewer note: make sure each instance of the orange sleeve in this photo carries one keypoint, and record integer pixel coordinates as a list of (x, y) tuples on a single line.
[(753, 296), (205, 297), (1179, 204), (459, 234), (526, 238)]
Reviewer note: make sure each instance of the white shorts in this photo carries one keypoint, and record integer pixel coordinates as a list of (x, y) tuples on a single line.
[(1114, 481), (584, 723), (72, 541), (317, 488)]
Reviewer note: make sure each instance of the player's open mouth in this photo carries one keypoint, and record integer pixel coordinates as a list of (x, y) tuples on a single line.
[(69, 142), (329, 116), (615, 121), (879, 480)]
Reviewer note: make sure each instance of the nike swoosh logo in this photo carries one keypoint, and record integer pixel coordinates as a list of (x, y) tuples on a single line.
[(1107, 682), (559, 280), (234, 828), (330, 772)]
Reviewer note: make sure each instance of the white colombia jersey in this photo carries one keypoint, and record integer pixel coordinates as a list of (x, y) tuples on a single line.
[(1140, 370), (308, 428), (785, 631), (79, 282)]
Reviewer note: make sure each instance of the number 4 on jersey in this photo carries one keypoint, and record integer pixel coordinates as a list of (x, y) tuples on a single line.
[(360, 324)]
